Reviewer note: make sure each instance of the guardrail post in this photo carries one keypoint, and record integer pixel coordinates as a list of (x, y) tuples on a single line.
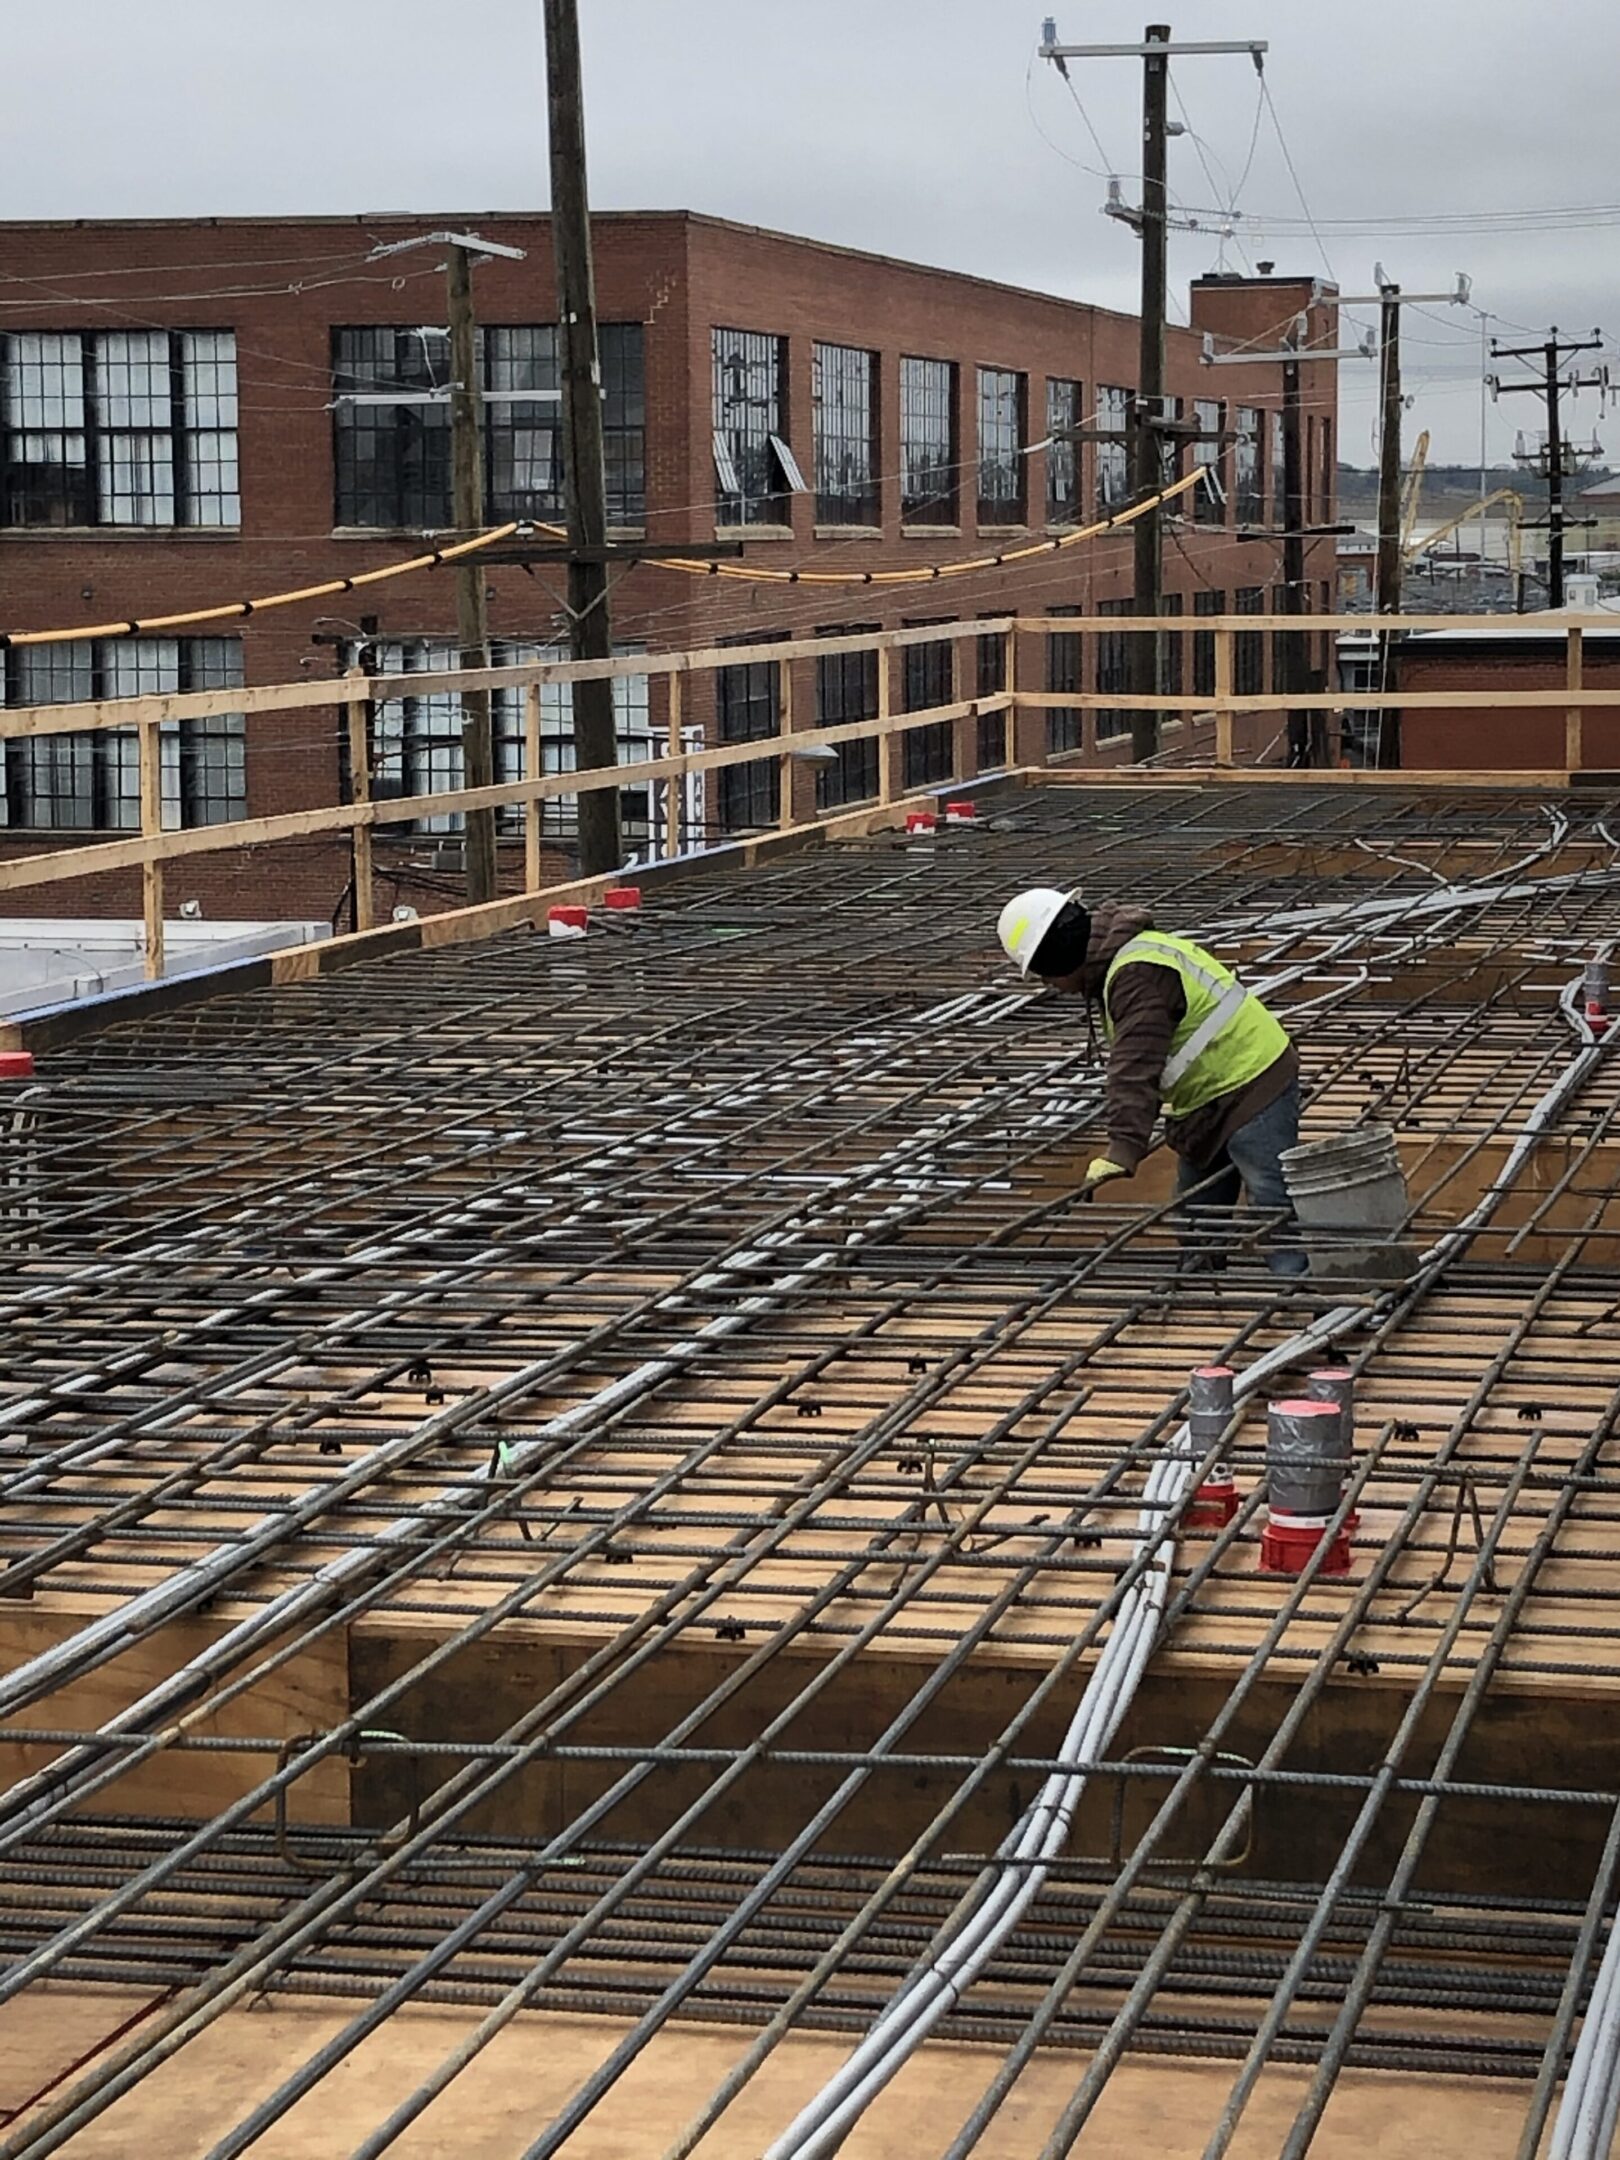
[(888, 744), (359, 715), (675, 785), (533, 812), (1223, 697), (150, 742)]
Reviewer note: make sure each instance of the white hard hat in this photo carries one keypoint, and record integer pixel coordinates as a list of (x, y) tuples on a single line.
[(1025, 920)]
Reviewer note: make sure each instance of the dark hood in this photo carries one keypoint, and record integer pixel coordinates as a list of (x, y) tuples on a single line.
[(1112, 925)]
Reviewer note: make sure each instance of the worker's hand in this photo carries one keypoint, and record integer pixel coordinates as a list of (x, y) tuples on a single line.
[(1101, 1171)]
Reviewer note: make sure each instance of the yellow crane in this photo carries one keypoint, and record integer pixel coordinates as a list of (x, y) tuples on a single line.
[(1412, 490), (1413, 550)]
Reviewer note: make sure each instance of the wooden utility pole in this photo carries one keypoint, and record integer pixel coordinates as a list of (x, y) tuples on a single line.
[(601, 844), (1146, 453), (1389, 452), (1289, 650), (472, 614), (1148, 428)]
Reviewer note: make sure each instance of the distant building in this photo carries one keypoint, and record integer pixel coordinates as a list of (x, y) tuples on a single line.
[(214, 409)]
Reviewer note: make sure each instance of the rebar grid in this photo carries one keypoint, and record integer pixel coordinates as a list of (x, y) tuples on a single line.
[(718, 1284)]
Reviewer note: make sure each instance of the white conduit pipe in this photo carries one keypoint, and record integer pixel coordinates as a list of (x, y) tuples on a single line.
[(822, 2125)]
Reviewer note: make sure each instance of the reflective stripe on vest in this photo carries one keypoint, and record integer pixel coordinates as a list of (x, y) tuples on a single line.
[(1228, 1032)]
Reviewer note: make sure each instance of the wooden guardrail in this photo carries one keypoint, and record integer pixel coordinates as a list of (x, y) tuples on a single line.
[(152, 848)]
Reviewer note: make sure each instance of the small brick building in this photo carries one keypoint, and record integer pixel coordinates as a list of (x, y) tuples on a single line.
[(1508, 653), (213, 409)]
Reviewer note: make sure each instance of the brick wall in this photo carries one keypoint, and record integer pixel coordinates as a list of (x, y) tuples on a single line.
[(1470, 737), (282, 286)]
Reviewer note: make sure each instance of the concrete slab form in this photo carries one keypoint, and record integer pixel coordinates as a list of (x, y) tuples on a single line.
[(596, 1472)]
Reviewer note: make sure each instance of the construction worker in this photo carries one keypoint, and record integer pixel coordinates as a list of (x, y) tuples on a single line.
[(1182, 1032)]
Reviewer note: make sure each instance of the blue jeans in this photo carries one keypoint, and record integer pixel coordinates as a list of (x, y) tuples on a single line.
[(1249, 1165)]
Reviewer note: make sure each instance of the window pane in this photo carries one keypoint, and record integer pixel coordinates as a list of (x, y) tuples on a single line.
[(393, 460), (1209, 497), (843, 385), (847, 690), (750, 368), (1062, 452), (135, 480), (1113, 671), (50, 779), (42, 386), (1113, 463), (1248, 450), (1001, 462), (928, 442), (1064, 725)]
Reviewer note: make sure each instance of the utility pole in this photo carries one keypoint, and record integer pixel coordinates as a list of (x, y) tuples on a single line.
[(472, 612), (1148, 424), (1146, 456), (1389, 452), (465, 394), (1290, 652), (1558, 458), (584, 474)]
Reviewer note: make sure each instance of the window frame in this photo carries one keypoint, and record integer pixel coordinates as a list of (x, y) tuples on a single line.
[(1208, 509), (753, 485), (1063, 462), (189, 751), (158, 403), (928, 667), (417, 431), (845, 435), (924, 501), (847, 690), (1002, 407), (1111, 465), (748, 795)]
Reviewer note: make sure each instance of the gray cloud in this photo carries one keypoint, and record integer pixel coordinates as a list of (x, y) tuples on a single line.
[(920, 128)]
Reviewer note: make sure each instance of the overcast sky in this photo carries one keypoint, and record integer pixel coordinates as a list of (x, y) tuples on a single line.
[(921, 128)]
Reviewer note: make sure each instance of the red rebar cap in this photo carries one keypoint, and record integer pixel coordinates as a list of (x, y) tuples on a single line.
[(1213, 1372), (569, 918), (960, 810), (1307, 1406), (920, 821), (1333, 1372), (16, 1064), (622, 896)]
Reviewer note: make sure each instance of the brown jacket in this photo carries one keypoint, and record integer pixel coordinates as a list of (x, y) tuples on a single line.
[(1146, 1005)]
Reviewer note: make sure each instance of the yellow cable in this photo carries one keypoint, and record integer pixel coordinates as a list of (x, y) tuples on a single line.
[(923, 574), (271, 600)]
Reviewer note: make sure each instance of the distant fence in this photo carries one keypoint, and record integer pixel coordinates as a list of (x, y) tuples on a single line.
[(1209, 716)]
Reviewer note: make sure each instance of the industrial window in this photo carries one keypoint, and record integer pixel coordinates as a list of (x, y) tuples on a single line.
[(843, 391), (391, 420), (754, 469), (1001, 447), (1065, 725), (747, 708), (1250, 490), (1249, 646), (1113, 671), (417, 740), (990, 680), (1209, 497), (928, 442), (1325, 500), (119, 427), (1062, 451), (928, 681), (1279, 472), (1113, 462), (1205, 603), (847, 690), (91, 782)]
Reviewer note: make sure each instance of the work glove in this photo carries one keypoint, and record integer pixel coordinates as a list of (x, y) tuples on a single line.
[(1100, 1171)]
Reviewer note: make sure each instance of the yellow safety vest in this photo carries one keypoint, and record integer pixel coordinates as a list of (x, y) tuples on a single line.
[(1226, 1037)]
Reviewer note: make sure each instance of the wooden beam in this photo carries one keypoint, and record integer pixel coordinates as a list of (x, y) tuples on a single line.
[(151, 786), (365, 899), (1224, 646), (533, 760)]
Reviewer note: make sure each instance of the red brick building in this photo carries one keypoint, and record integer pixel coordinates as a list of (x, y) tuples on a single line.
[(1506, 654), (210, 410)]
